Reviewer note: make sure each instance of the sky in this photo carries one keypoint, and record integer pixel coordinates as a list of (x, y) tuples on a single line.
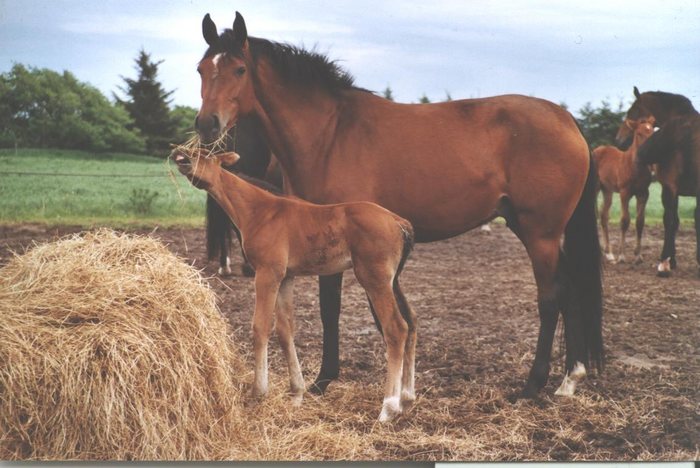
[(568, 52)]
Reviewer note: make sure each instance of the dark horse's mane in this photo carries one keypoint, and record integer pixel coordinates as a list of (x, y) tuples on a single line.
[(676, 101), (295, 65)]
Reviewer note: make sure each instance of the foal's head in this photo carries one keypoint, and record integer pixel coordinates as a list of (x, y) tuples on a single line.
[(227, 88), (202, 170)]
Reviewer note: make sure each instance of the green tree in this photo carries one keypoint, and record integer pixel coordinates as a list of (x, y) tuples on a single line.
[(148, 105), (43, 108), (424, 99), (388, 94), (599, 125), (183, 116)]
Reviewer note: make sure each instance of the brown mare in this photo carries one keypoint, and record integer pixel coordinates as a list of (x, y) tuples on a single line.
[(678, 150), (619, 171), (447, 168), (285, 237)]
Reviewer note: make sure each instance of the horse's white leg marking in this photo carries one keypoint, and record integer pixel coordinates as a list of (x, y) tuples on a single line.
[(568, 386), (486, 227), (610, 257), (390, 408), (226, 269), (266, 288), (664, 268)]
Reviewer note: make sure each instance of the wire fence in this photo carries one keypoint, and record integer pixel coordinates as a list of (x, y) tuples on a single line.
[(80, 174)]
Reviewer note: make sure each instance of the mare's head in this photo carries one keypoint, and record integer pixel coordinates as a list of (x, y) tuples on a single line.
[(227, 88), (201, 168)]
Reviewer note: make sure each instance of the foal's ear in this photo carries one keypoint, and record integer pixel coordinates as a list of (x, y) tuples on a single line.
[(209, 30), (636, 92), (240, 32), (228, 159)]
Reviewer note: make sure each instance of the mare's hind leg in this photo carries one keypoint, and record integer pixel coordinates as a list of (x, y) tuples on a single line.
[(604, 218), (624, 221), (285, 326), (642, 199), (668, 253), (330, 289), (544, 254)]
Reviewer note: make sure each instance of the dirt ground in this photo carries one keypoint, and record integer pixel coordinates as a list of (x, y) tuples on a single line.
[(475, 299)]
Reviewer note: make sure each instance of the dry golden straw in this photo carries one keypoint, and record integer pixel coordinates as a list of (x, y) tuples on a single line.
[(112, 348)]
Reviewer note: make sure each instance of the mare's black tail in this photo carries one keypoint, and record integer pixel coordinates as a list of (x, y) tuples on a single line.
[(582, 265)]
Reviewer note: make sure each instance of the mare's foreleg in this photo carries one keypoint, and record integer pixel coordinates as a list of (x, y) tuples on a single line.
[(668, 253), (330, 289), (604, 218), (624, 221), (642, 199), (267, 284), (285, 326)]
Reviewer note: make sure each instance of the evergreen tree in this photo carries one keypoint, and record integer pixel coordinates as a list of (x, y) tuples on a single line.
[(148, 105), (388, 94), (599, 125), (424, 99)]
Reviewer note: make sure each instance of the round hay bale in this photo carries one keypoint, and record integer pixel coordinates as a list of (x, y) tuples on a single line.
[(113, 348)]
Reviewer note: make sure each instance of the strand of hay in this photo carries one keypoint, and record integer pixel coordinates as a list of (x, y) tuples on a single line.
[(113, 348)]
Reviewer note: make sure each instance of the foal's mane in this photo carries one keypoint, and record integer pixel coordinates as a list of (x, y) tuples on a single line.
[(295, 65)]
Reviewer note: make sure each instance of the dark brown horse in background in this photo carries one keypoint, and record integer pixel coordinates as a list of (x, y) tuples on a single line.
[(678, 151), (447, 168), (248, 140)]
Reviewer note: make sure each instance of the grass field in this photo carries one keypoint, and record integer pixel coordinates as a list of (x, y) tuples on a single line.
[(120, 196)]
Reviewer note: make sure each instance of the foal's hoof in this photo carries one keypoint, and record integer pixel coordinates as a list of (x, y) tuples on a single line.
[(390, 409), (610, 257)]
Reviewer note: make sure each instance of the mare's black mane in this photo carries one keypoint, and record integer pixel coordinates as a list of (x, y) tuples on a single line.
[(295, 65)]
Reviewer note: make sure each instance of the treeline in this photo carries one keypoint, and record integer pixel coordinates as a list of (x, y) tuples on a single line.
[(41, 108)]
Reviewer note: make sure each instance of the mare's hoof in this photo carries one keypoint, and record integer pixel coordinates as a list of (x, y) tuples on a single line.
[(664, 268), (247, 270), (319, 387), (225, 271)]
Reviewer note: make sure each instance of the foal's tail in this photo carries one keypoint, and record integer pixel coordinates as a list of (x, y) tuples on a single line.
[(582, 264), (218, 228)]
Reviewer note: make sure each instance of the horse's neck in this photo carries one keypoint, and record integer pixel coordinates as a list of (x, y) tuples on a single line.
[(300, 128), (664, 110), (243, 202)]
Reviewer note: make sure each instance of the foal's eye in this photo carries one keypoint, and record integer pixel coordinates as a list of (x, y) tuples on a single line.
[(240, 71)]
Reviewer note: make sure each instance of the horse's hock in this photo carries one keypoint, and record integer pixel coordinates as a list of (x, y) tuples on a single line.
[(113, 348)]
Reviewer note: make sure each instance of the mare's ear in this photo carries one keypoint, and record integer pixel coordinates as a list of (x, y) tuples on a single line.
[(209, 30), (228, 159), (636, 92), (240, 32)]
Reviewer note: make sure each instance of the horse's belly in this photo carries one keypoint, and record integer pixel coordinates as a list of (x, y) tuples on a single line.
[(322, 261)]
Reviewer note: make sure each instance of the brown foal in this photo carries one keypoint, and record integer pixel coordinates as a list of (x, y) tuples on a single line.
[(285, 237), (618, 171)]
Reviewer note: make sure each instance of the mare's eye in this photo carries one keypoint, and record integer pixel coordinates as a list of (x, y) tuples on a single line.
[(240, 71)]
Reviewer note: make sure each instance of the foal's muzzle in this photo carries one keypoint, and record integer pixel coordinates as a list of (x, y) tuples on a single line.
[(184, 165)]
